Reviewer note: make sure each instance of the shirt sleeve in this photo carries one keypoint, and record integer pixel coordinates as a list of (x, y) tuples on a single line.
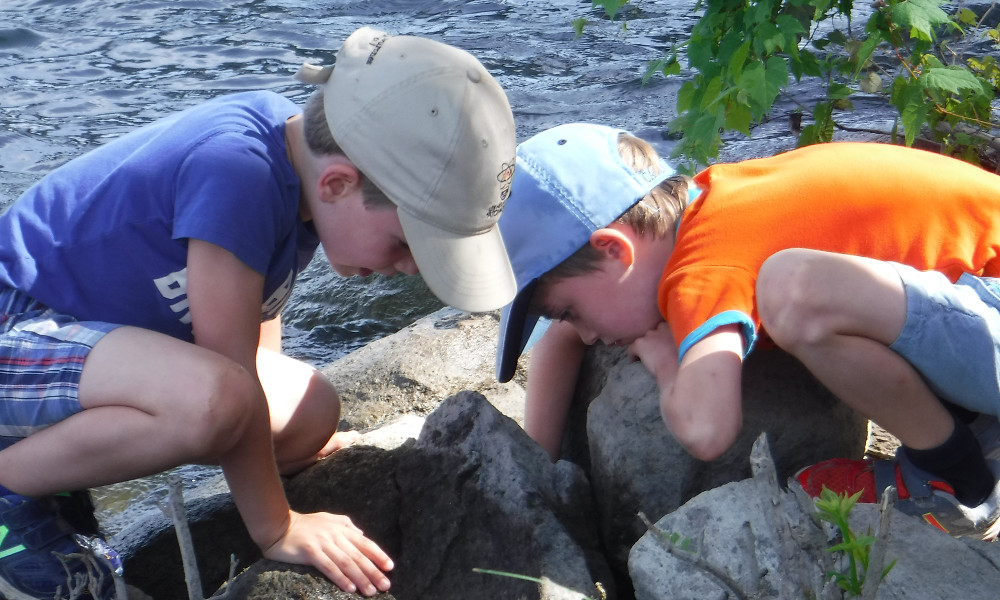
[(227, 195), (697, 301)]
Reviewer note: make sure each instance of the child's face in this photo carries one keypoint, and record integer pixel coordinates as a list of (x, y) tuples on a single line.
[(361, 241), (613, 304)]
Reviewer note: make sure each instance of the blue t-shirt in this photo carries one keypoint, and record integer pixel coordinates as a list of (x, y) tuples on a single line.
[(104, 237)]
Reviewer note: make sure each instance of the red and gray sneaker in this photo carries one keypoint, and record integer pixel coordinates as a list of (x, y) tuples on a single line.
[(919, 493), (44, 555)]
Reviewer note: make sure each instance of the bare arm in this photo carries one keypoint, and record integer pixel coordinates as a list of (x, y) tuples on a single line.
[(225, 298), (700, 399), (552, 375), (270, 334)]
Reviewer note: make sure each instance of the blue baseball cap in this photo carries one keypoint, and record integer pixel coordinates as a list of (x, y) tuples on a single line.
[(569, 182)]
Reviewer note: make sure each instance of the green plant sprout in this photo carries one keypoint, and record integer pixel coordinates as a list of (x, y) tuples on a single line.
[(835, 508)]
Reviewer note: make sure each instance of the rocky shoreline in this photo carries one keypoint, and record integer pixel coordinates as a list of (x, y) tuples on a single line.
[(445, 479)]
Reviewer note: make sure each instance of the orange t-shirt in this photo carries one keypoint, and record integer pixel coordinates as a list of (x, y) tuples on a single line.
[(881, 201)]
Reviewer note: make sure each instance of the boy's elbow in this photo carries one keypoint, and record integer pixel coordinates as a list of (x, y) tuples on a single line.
[(705, 449), (706, 438)]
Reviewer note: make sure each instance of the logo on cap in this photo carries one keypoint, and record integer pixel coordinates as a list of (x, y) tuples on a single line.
[(505, 176), (376, 45)]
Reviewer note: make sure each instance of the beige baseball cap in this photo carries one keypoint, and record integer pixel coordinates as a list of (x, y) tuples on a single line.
[(433, 130)]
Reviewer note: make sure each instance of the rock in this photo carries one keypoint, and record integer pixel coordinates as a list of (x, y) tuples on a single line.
[(637, 466), (446, 487), (763, 539), (413, 370), (473, 491)]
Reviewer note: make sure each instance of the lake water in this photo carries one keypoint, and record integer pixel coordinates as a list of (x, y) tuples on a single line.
[(77, 73)]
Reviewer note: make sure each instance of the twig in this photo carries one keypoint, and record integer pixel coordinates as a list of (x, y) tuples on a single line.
[(223, 592), (876, 556), (175, 510), (695, 559)]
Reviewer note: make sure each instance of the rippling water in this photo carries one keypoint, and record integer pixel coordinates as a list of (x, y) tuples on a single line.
[(77, 73)]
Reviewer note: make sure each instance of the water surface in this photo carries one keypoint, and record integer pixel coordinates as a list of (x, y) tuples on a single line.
[(78, 73)]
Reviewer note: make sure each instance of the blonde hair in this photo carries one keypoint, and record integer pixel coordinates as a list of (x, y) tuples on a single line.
[(655, 215), (321, 143)]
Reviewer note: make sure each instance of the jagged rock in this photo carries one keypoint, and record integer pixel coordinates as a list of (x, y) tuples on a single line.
[(472, 491), (764, 540)]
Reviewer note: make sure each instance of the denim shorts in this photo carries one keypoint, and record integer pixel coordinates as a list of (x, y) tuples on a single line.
[(952, 336), (41, 359)]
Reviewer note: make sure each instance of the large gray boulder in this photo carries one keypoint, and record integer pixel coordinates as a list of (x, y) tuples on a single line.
[(472, 491), (411, 371)]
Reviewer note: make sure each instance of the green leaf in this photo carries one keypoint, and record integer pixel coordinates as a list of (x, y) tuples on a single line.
[(921, 16), (712, 93), (739, 60), (578, 25), (738, 118), (666, 66), (965, 16), (611, 7), (911, 103), (865, 51), (685, 97), (805, 64), (838, 91), (953, 80), (791, 30), (768, 38), (700, 53)]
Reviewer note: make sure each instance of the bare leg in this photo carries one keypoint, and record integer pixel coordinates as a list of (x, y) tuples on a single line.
[(305, 410), (150, 403), (838, 314)]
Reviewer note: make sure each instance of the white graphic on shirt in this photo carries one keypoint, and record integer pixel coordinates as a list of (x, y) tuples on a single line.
[(173, 287), (273, 305)]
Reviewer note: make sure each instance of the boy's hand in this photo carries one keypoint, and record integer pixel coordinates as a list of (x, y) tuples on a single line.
[(657, 351), (335, 546)]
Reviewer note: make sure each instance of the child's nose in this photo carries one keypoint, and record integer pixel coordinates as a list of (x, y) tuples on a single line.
[(588, 337)]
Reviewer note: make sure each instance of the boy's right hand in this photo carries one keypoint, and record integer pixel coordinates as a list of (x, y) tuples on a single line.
[(335, 546)]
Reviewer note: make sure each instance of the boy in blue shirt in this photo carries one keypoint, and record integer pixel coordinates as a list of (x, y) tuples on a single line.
[(142, 286), (864, 261)]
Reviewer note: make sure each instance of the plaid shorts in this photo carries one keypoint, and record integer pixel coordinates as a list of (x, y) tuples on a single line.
[(41, 360)]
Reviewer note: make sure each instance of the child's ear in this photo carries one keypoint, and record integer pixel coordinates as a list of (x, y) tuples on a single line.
[(614, 244), (337, 180)]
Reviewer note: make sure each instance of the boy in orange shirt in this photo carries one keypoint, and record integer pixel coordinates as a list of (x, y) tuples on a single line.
[(872, 264)]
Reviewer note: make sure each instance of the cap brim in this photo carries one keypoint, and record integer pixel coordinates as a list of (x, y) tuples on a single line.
[(516, 324), (470, 273)]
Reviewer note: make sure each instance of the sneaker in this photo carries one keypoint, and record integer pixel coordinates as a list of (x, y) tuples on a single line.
[(918, 493), (43, 556)]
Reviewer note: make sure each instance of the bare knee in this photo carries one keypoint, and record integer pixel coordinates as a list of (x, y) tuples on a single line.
[(227, 402), (309, 425), (789, 298)]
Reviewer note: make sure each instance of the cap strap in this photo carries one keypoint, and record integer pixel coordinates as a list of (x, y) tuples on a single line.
[(314, 74)]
